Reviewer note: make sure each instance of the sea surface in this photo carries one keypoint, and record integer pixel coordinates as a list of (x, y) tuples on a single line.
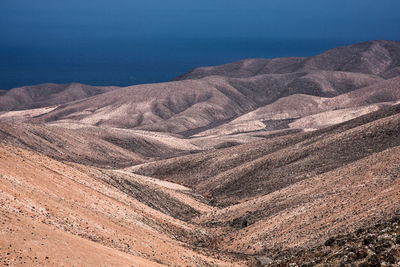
[(136, 61)]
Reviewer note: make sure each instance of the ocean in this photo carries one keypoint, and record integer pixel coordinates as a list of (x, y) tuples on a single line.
[(126, 62)]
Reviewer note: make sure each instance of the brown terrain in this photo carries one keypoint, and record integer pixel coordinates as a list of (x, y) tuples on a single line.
[(261, 162), (45, 95)]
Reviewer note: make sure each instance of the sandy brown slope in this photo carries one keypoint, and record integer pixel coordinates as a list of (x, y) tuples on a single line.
[(171, 107), (54, 213), (246, 171), (181, 106), (313, 185), (313, 112), (283, 193), (48, 94), (95, 146), (150, 145), (295, 191), (25, 242), (306, 213), (68, 145)]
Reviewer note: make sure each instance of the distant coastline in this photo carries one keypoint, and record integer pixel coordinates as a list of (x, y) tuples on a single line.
[(131, 62)]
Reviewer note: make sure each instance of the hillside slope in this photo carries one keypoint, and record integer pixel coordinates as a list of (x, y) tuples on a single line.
[(262, 161), (181, 106), (172, 107), (245, 203), (373, 57), (48, 94), (313, 112), (68, 145), (211, 97), (249, 170), (55, 213), (285, 194)]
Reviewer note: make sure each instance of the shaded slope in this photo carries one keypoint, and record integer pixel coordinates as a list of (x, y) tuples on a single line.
[(195, 104), (292, 192), (321, 195), (307, 213), (385, 91), (104, 147), (249, 170), (172, 107), (48, 94), (312, 112), (208, 97), (152, 145), (68, 145), (373, 57), (242, 69), (265, 89), (103, 216)]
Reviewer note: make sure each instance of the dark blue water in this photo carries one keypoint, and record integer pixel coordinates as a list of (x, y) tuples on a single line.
[(128, 62), (125, 42)]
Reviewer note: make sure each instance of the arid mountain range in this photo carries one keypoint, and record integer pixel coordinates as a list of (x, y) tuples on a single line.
[(287, 161)]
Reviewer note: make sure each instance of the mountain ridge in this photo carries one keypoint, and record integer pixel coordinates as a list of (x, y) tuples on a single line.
[(185, 105), (343, 62), (47, 94), (260, 162)]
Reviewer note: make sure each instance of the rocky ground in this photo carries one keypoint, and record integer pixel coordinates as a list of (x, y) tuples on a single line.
[(374, 246)]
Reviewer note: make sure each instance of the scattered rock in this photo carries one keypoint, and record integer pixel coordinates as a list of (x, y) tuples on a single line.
[(264, 260), (329, 242)]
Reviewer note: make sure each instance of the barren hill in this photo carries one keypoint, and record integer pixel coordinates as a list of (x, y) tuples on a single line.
[(169, 107), (312, 112), (238, 172), (65, 144), (261, 162), (211, 96), (192, 104), (55, 213), (373, 57), (242, 69), (49, 94), (108, 148), (295, 191), (234, 206)]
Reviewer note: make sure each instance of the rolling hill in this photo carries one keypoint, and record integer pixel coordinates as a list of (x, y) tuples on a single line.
[(374, 57), (292, 192), (260, 162), (216, 207), (209, 97), (43, 95)]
